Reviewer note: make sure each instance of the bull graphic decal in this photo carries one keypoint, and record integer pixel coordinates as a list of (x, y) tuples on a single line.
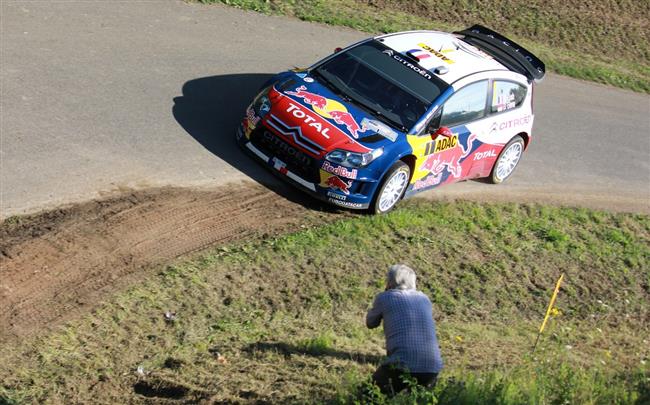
[(334, 183), (345, 118), (330, 109), (449, 158), (310, 98)]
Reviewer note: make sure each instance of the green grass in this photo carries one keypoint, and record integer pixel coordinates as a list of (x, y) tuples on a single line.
[(605, 41), (285, 314), (531, 383)]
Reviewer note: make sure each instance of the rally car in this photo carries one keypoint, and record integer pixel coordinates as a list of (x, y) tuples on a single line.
[(397, 114)]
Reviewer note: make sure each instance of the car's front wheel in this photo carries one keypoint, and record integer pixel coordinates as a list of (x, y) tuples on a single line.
[(508, 160), (392, 188)]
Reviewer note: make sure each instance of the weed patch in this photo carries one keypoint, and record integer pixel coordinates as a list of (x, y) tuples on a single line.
[(282, 319)]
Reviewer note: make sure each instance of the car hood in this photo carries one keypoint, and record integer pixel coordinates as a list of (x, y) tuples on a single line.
[(318, 120)]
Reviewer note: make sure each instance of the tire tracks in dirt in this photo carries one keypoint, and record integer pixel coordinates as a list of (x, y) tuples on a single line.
[(59, 264)]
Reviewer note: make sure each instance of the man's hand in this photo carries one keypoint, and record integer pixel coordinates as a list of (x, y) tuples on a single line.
[(374, 315)]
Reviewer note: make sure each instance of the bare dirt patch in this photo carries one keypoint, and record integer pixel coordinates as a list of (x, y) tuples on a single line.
[(57, 264)]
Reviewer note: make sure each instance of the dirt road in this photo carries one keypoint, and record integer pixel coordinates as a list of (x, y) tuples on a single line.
[(56, 265)]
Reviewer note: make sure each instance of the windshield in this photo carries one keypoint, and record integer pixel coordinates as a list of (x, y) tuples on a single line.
[(382, 81)]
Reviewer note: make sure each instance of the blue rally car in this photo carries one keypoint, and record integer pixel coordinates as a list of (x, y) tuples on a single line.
[(397, 114)]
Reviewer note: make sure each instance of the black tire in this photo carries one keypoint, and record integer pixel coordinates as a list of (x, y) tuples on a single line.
[(399, 172), (508, 160)]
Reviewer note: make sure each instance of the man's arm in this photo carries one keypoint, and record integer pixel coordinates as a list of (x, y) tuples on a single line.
[(374, 315)]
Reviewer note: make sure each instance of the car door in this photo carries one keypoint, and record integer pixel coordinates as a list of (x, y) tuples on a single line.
[(508, 115), (446, 158)]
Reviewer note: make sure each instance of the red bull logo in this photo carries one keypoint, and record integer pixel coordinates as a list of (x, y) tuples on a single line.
[(336, 183), (345, 118), (330, 109), (448, 158), (312, 99), (430, 181), (339, 170)]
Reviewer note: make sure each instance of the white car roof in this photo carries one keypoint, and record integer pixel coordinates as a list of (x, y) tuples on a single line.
[(434, 48)]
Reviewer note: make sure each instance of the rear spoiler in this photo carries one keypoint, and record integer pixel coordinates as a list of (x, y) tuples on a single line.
[(505, 51)]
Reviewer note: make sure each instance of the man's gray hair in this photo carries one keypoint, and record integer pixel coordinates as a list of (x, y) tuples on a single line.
[(400, 276)]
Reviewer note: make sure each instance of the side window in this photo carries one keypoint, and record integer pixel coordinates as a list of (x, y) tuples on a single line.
[(467, 104), (506, 96)]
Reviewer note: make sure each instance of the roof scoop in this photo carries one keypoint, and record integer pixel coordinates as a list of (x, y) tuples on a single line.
[(440, 70)]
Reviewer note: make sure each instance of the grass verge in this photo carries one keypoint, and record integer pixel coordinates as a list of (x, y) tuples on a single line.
[(605, 41), (281, 319)]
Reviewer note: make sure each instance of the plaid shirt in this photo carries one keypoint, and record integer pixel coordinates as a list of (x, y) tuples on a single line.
[(409, 328)]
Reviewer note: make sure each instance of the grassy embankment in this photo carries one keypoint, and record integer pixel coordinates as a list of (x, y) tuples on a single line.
[(606, 41), (286, 314)]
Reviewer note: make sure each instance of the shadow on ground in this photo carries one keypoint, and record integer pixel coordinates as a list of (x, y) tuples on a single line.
[(210, 110), (287, 350)]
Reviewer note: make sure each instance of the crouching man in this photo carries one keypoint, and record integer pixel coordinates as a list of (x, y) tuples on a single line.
[(410, 331)]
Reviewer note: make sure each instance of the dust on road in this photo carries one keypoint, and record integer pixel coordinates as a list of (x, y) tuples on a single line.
[(59, 263)]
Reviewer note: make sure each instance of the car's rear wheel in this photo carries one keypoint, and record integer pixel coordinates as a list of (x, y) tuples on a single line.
[(392, 188), (507, 160)]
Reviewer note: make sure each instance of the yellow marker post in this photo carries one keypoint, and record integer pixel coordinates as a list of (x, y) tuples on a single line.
[(548, 310)]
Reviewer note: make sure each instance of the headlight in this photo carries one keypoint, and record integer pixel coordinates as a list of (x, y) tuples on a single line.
[(262, 104), (353, 159)]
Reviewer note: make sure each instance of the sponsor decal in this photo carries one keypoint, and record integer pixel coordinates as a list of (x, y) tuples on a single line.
[(335, 183), (337, 196), (308, 79), (449, 156), (346, 204), (484, 155), (423, 72), (429, 181), (252, 118), (280, 166), (501, 100), (284, 149), (313, 99), (311, 122), (380, 128), (516, 122), (345, 118), (247, 128), (292, 120), (440, 54), (250, 122), (441, 143), (339, 170), (330, 109)]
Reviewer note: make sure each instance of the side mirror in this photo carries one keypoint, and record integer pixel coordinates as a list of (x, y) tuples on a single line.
[(338, 49), (434, 123), (444, 131)]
